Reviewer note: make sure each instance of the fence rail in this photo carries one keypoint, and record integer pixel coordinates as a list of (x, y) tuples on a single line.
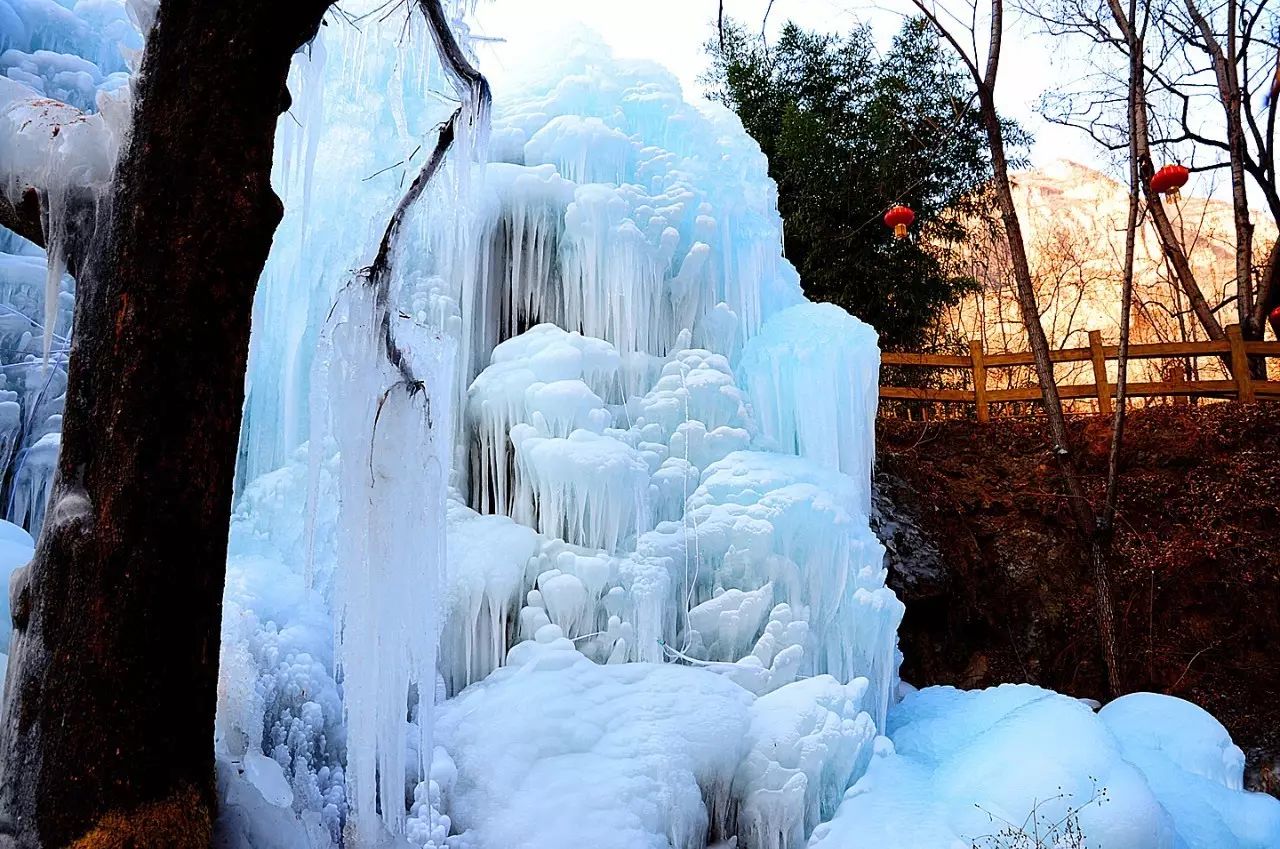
[(1235, 351)]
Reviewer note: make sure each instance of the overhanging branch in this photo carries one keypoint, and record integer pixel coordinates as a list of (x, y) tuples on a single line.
[(473, 88)]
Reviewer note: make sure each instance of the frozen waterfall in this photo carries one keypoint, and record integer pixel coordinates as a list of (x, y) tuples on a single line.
[(654, 491), (661, 617), (551, 525)]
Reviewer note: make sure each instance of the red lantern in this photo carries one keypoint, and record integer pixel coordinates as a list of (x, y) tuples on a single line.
[(1168, 180), (899, 217)]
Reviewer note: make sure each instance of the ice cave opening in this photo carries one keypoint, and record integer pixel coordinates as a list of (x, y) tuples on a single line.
[(588, 563)]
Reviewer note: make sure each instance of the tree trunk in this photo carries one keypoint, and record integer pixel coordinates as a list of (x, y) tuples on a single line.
[(1078, 502), (1227, 79), (107, 733)]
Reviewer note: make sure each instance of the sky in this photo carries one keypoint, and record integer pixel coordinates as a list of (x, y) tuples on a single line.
[(672, 32)]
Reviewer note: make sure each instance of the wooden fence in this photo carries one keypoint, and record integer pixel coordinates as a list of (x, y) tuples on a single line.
[(1233, 350)]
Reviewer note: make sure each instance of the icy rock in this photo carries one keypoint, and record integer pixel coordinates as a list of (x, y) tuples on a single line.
[(1195, 771), (51, 144), (728, 623), (268, 778), (16, 549), (777, 656)]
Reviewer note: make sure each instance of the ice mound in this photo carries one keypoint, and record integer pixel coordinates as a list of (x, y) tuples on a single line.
[(637, 755), (554, 751), (809, 739), (1195, 771), (980, 768)]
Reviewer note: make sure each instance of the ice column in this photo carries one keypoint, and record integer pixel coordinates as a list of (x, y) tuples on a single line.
[(395, 443)]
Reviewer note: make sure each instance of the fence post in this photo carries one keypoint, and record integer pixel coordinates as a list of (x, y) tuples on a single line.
[(1240, 365), (979, 379), (1101, 385)]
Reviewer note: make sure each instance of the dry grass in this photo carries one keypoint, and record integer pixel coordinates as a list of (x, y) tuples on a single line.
[(183, 821)]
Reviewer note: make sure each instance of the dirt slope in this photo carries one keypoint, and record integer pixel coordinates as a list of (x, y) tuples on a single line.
[(997, 590)]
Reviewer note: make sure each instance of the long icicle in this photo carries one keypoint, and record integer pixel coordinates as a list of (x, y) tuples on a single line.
[(396, 402)]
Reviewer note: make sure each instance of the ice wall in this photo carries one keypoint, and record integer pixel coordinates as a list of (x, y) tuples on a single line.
[(361, 123)]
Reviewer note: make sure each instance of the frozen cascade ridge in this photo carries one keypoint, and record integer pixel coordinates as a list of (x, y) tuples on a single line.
[(552, 528)]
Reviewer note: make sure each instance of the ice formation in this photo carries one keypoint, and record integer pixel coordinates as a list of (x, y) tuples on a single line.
[(553, 530), (393, 439), (64, 106), (635, 755), (979, 768)]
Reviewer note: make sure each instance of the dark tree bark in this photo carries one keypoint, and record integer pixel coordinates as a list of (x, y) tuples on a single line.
[(107, 731)]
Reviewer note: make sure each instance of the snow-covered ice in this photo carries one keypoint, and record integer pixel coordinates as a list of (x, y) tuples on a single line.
[(589, 564), (980, 768)]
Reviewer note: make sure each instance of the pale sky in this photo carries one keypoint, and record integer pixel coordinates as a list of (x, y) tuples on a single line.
[(672, 32)]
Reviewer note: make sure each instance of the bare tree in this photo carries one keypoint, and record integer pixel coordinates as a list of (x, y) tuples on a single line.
[(985, 69), (111, 689), (1221, 41), (1198, 60), (1134, 29)]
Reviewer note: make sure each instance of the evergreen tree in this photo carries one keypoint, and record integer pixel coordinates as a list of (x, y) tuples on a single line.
[(849, 133)]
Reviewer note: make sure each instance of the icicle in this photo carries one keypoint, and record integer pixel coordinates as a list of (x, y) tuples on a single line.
[(391, 551)]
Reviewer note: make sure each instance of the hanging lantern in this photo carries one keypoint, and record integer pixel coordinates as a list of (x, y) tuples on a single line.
[(899, 217), (1168, 180)]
